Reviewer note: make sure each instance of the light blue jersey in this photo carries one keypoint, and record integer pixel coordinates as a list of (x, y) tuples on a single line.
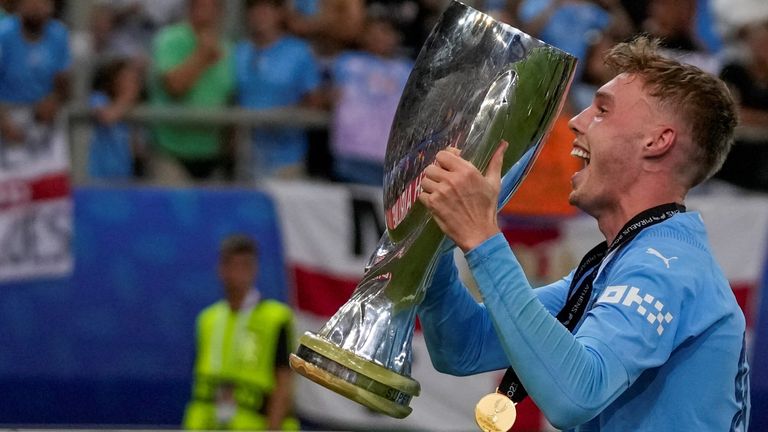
[(276, 76), (661, 347), (28, 69), (109, 155)]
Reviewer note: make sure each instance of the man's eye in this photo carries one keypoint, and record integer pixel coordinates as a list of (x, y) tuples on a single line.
[(601, 110)]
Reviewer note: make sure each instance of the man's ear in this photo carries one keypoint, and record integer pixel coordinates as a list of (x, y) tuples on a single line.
[(660, 142)]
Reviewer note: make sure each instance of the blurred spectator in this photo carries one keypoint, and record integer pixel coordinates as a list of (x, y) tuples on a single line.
[(135, 22), (192, 67), (34, 59), (331, 25), (506, 11), (242, 378), (4, 9), (275, 70), (596, 73), (114, 145), (747, 163), (409, 16), (731, 16), (569, 24), (368, 88), (705, 29), (637, 11), (674, 22), (109, 43), (430, 12)]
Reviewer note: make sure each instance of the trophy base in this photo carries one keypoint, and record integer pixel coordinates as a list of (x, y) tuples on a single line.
[(354, 377)]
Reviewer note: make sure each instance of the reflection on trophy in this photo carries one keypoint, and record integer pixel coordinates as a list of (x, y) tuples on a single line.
[(476, 81)]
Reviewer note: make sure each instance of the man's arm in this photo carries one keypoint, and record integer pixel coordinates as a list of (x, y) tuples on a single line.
[(48, 107), (180, 79), (458, 331), (280, 401), (128, 89), (340, 21)]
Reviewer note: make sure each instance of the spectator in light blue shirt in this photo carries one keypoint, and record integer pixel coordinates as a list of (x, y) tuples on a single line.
[(569, 24), (368, 87), (111, 152), (275, 70), (34, 56)]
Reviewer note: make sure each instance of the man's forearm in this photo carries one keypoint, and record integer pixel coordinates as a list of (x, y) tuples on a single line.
[(281, 399), (181, 79), (457, 330)]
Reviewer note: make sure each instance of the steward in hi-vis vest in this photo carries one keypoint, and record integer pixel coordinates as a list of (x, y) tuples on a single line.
[(242, 378)]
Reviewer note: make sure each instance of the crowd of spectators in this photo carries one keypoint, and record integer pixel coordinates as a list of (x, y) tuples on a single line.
[(350, 58)]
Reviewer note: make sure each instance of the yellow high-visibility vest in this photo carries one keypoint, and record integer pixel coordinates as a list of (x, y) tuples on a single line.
[(236, 350)]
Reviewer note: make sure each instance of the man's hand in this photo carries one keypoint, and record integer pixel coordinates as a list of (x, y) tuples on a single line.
[(9, 132), (208, 46), (462, 200), (46, 109)]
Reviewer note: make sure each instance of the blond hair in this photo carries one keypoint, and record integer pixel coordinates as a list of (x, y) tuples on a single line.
[(701, 99)]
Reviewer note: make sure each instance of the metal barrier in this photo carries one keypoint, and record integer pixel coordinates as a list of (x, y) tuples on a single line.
[(80, 121)]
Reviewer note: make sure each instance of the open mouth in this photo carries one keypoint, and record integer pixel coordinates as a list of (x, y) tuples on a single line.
[(582, 154)]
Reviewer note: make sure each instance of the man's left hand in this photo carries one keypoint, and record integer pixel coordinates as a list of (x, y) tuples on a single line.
[(462, 200), (46, 109)]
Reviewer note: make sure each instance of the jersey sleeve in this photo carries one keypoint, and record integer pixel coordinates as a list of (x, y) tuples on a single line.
[(457, 329), (283, 347), (554, 295), (570, 382)]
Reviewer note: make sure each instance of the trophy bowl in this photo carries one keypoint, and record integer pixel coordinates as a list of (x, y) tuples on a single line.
[(475, 82)]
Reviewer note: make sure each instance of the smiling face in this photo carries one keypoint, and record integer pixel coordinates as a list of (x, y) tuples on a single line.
[(610, 135)]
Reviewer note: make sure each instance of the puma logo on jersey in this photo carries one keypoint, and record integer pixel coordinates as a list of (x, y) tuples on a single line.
[(658, 254)]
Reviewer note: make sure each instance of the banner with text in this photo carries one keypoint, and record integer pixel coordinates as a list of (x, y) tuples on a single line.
[(35, 201)]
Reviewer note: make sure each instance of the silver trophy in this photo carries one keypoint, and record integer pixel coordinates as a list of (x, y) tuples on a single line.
[(476, 82)]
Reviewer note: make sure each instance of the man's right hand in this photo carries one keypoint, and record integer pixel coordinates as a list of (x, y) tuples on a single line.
[(463, 200), (208, 46), (10, 133)]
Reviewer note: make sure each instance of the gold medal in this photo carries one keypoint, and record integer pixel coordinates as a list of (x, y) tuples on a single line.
[(495, 413)]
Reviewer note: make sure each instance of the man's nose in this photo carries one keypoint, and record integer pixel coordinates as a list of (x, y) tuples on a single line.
[(576, 123)]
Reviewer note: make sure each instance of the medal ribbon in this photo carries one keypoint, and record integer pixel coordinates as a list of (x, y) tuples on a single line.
[(581, 284)]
